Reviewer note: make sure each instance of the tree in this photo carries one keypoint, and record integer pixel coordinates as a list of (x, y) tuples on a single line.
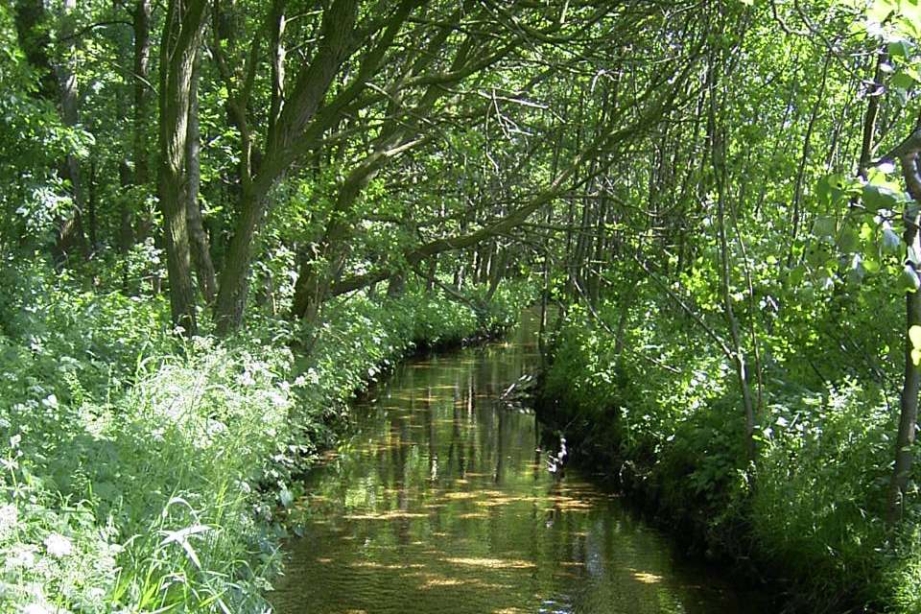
[(182, 34)]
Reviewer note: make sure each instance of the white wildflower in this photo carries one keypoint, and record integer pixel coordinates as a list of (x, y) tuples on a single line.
[(215, 427), (278, 399), (58, 546), (21, 557), (35, 608), (9, 516)]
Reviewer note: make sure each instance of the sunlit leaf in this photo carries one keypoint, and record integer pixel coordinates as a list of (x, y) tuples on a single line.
[(914, 333), (890, 242), (825, 226)]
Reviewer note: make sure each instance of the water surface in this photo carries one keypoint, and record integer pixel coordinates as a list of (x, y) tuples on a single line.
[(444, 500)]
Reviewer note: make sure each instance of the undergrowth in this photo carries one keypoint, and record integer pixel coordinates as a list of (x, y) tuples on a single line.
[(809, 513), (143, 473)]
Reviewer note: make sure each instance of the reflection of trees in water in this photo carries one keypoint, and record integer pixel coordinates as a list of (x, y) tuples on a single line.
[(500, 449), (507, 538)]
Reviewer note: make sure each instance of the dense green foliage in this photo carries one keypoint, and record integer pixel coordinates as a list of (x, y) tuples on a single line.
[(744, 371), (144, 472), (219, 219), (810, 509)]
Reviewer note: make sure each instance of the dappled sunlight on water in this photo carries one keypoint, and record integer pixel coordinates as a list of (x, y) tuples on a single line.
[(441, 501)]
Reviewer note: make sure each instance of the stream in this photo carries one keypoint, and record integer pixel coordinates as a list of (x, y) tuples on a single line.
[(443, 499)]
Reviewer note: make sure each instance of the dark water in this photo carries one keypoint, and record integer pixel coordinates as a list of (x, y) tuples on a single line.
[(443, 501)]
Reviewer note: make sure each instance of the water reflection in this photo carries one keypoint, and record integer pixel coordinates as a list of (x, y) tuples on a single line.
[(441, 502)]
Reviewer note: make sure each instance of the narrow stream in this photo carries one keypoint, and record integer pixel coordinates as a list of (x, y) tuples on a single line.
[(443, 500)]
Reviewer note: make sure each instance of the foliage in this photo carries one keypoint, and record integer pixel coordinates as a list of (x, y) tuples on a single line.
[(709, 191), (143, 472), (810, 511), (821, 483)]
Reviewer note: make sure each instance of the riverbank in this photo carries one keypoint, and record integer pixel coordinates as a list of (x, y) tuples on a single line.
[(146, 473), (443, 498), (807, 515)]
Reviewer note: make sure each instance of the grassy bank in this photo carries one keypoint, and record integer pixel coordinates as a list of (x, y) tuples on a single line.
[(807, 514), (140, 472)]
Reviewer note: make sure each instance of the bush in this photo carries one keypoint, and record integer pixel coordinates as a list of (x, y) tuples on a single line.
[(157, 487), (822, 477)]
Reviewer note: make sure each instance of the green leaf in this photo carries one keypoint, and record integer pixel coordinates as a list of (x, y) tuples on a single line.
[(890, 242), (877, 197), (902, 81), (899, 49), (831, 188), (823, 190), (825, 226), (856, 272), (848, 240)]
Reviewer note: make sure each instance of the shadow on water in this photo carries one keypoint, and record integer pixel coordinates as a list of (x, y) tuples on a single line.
[(443, 500)]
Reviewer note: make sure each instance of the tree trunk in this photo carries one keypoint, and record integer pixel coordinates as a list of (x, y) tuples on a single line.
[(497, 274), (430, 275), (315, 277), (234, 286), (125, 231), (715, 136), (201, 251), (396, 286), (908, 405), (181, 38), (142, 90), (299, 108)]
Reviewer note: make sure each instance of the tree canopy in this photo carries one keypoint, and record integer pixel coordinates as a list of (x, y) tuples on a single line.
[(745, 171)]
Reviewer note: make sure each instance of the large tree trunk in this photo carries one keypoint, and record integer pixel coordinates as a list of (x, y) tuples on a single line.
[(181, 38), (234, 285)]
